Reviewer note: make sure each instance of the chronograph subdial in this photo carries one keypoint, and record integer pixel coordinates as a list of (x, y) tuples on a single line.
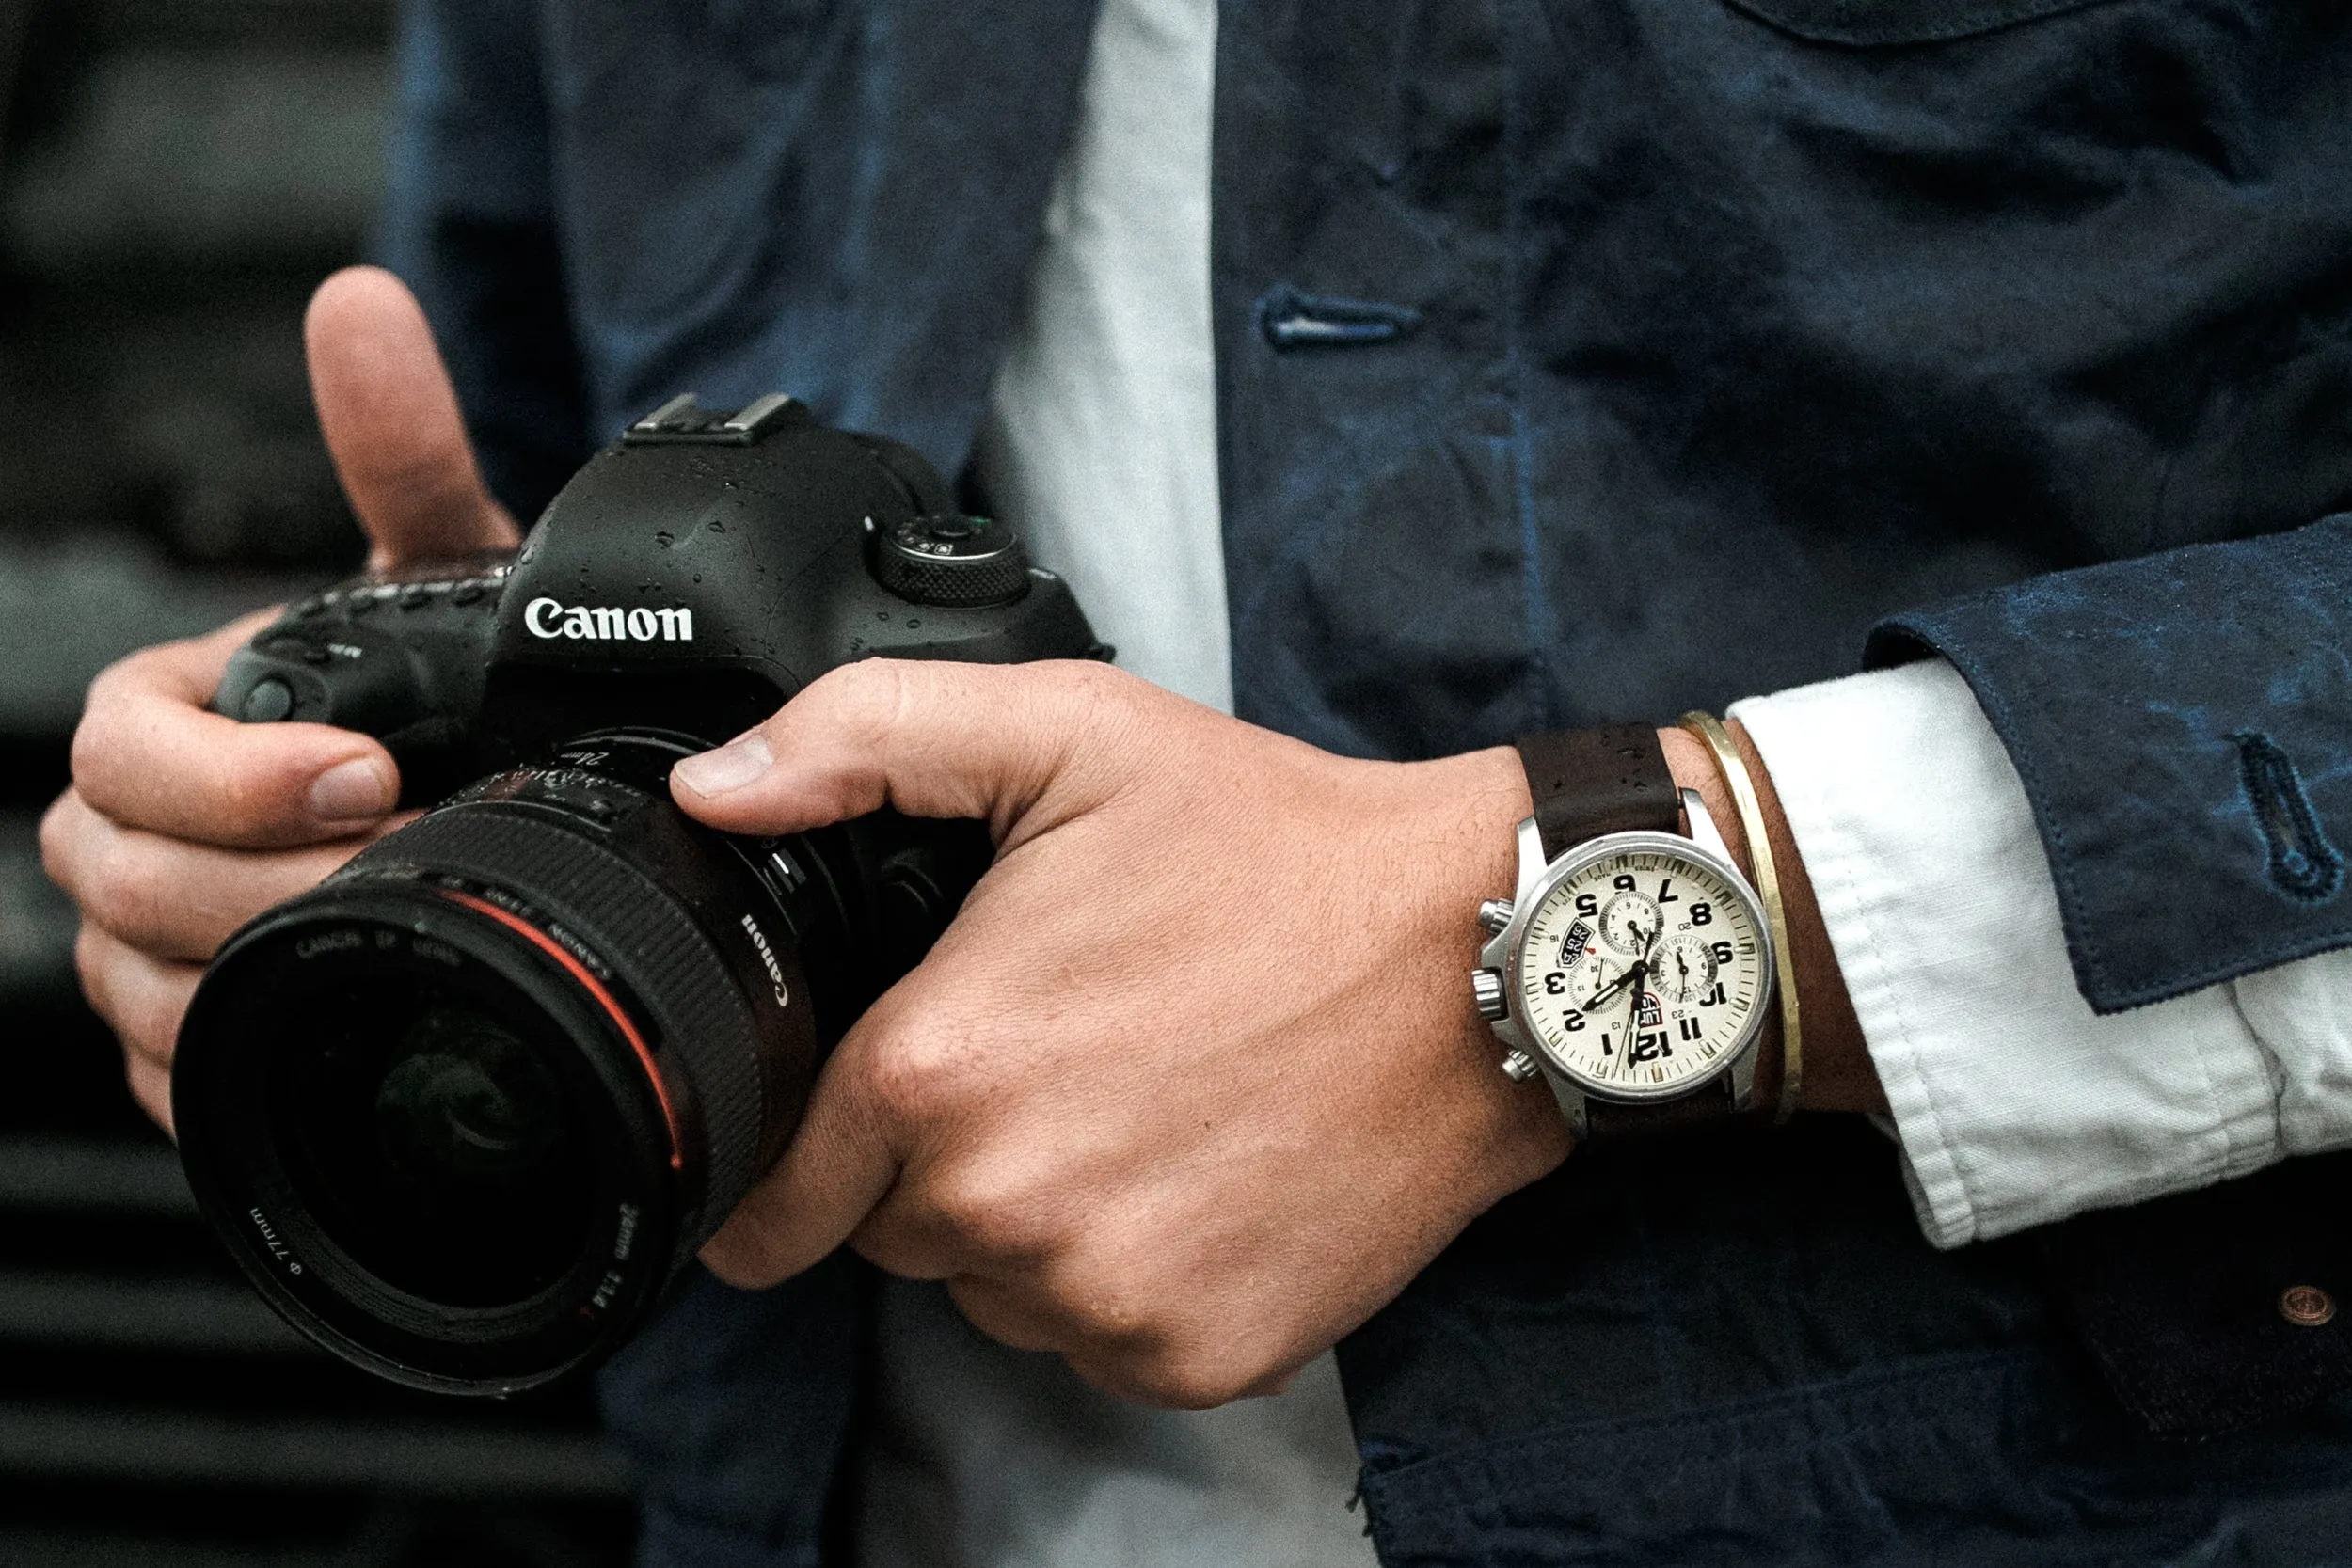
[(1629, 923), (1593, 977), (1682, 969)]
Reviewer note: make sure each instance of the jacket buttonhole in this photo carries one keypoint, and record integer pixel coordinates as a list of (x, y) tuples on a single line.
[(1290, 318)]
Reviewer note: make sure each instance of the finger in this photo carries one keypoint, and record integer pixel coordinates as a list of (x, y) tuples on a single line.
[(151, 1085), (838, 1165), (141, 998), (390, 419), (169, 896), (148, 754), (933, 738)]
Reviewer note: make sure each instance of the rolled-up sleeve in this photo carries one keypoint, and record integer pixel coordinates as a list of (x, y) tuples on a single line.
[(2014, 1103)]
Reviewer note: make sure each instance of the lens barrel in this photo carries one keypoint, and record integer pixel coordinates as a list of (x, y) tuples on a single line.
[(463, 1111)]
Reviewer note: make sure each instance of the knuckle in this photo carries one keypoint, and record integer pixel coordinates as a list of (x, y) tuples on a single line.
[(868, 700), (90, 954), (995, 1210), (56, 836), (117, 890), (913, 1079), (94, 740), (246, 793)]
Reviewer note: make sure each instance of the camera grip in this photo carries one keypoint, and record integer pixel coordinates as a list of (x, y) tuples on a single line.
[(402, 661)]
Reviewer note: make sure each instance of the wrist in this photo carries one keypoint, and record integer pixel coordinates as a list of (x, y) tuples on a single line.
[(1839, 1073)]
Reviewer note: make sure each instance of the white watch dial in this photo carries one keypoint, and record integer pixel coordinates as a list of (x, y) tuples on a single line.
[(1643, 971)]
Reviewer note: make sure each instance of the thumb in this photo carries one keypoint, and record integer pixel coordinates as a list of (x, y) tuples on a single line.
[(391, 423), (930, 738)]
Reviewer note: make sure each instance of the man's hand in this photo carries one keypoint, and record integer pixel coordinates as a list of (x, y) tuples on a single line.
[(182, 825), (1193, 1083)]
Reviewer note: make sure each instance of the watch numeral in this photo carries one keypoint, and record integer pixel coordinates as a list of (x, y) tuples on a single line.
[(1665, 897), (1722, 953), (1573, 1024), (1624, 882), (1555, 984), (1649, 1046), (1702, 913), (1713, 998), (1690, 1029), (1587, 905)]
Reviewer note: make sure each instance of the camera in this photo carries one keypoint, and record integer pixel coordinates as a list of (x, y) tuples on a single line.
[(462, 1111)]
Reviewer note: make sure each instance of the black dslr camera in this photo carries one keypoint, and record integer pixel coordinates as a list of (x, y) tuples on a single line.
[(462, 1111)]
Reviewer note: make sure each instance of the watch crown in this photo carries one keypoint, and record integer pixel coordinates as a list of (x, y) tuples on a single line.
[(1517, 1065), (1494, 913), (1487, 988)]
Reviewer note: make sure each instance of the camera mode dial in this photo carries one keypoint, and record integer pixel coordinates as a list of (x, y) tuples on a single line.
[(950, 560)]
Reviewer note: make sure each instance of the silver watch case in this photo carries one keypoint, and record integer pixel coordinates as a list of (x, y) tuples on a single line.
[(1537, 879)]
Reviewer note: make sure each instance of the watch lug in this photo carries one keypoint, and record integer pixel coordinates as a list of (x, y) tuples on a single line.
[(1703, 833), (1743, 1076), (1532, 861), (1572, 1106)]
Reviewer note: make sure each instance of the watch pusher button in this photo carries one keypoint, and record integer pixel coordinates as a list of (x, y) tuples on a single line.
[(1487, 988), (1517, 1065), (1494, 913)]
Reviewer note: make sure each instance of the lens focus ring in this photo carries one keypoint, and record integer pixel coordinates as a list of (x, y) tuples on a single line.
[(634, 926)]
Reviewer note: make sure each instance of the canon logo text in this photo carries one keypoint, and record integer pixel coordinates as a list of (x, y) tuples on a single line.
[(550, 618)]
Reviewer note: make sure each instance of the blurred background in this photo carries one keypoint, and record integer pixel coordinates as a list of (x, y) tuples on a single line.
[(175, 176)]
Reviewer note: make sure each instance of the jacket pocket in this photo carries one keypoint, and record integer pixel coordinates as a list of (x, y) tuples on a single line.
[(1865, 24)]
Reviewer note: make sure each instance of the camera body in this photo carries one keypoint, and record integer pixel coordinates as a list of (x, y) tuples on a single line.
[(693, 576), (463, 1110)]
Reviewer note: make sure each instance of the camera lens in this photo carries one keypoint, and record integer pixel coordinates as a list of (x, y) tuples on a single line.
[(464, 1106), (462, 1111), (431, 1145)]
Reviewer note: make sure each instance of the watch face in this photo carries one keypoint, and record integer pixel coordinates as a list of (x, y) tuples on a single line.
[(1644, 968)]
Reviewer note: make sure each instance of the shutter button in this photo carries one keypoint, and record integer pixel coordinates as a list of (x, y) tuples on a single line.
[(2306, 1306)]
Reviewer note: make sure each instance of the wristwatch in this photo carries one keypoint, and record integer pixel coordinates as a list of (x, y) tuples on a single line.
[(1632, 968)]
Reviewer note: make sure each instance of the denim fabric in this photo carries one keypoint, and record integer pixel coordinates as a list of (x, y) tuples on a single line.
[(1578, 360), (736, 196), (1728, 343), (733, 1406), (1743, 1353), (470, 222), (2212, 854)]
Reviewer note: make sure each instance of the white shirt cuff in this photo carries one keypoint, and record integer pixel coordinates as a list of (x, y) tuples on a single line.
[(2014, 1104)]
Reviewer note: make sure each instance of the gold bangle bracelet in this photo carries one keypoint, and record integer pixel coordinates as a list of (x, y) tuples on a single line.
[(1717, 739)]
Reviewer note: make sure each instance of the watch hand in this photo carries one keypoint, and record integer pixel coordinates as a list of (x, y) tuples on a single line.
[(1608, 990), (1633, 1022), (1633, 1008)]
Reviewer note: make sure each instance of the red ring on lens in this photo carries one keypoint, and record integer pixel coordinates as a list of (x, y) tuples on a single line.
[(594, 988)]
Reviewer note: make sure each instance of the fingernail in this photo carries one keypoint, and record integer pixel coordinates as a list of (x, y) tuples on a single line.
[(353, 791), (731, 767)]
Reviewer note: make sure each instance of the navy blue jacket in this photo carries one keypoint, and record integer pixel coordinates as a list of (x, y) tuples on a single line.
[(1583, 361)]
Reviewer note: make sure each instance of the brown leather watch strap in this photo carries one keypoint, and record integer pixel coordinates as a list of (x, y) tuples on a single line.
[(1609, 780), (1704, 1106), (1614, 779)]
